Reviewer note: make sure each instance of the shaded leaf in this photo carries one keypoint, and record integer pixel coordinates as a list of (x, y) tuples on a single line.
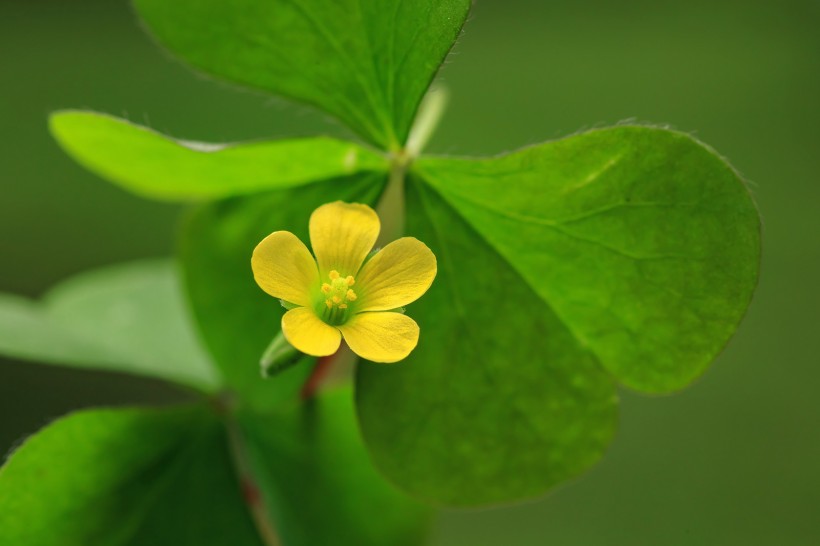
[(367, 62), (127, 318), (153, 165), (237, 319), (124, 477), (138, 477)]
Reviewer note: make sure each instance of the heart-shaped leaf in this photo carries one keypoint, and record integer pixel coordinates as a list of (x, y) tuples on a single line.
[(631, 250), (367, 62), (644, 241)]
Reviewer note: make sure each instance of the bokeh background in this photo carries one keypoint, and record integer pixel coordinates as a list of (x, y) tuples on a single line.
[(735, 459)]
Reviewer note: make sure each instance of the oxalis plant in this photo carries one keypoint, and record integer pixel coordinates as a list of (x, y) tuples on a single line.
[(618, 256)]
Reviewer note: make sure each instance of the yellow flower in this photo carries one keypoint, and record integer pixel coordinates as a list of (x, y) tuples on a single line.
[(339, 294)]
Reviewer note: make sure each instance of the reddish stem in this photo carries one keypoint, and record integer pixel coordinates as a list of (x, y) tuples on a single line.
[(317, 376)]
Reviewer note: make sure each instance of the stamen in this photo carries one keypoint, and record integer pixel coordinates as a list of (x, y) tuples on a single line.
[(338, 295)]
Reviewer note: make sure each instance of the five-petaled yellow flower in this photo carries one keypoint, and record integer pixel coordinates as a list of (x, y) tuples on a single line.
[(341, 294)]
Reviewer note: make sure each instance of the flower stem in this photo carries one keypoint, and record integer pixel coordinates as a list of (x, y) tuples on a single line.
[(317, 377), (251, 492)]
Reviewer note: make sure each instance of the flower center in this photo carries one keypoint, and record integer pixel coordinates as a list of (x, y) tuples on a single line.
[(337, 294)]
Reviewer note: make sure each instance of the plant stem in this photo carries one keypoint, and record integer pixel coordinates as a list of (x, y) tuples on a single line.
[(251, 492), (429, 115), (391, 205), (317, 376)]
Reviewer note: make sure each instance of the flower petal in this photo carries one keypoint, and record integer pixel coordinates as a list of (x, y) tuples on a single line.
[(381, 337), (397, 275), (284, 268), (342, 235), (308, 334)]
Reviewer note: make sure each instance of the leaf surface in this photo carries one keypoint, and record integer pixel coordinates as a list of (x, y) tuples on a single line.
[(643, 241), (498, 402), (237, 319), (153, 165), (124, 477), (367, 62), (130, 477), (128, 318), (625, 254)]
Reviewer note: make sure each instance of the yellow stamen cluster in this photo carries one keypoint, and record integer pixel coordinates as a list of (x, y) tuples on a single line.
[(338, 292)]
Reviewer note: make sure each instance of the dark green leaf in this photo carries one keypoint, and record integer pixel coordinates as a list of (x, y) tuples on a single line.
[(124, 477), (643, 241), (127, 318), (155, 477), (367, 62), (498, 401), (237, 319), (320, 483), (153, 165)]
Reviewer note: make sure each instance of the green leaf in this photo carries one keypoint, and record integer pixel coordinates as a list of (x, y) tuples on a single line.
[(644, 241), (319, 481), (367, 62), (128, 318), (629, 251), (237, 319), (124, 477), (153, 165), (497, 402), (169, 477)]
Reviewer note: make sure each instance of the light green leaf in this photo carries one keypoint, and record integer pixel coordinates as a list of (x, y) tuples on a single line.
[(497, 402), (629, 251), (153, 165), (643, 241), (124, 477), (320, 484), (128, 318), (367, 62), (237, 319)]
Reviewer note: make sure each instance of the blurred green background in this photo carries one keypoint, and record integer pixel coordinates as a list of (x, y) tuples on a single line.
[(735, 459)]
